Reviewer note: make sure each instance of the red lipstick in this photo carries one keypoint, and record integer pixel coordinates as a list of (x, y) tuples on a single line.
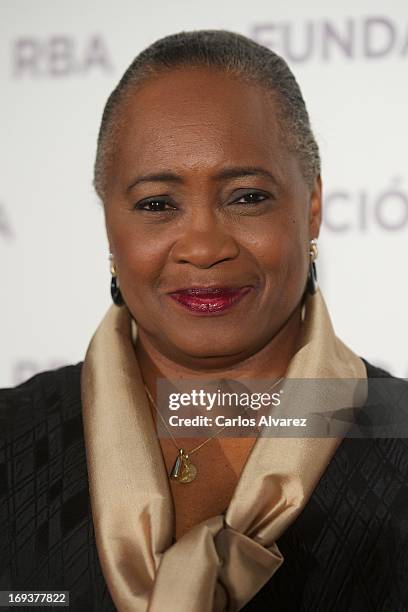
[(209, 300)]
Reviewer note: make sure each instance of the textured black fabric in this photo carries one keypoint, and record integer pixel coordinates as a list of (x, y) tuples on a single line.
[(347, 551), (46, 534)]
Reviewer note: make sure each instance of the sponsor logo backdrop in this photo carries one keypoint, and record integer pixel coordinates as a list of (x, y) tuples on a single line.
[(58, 63)]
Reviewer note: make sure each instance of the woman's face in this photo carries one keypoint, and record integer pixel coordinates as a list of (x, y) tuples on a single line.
[(203, 192)]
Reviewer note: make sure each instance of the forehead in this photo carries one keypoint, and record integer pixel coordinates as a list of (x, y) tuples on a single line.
[(198, 116)]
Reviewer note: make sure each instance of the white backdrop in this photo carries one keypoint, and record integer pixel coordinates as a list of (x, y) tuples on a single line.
[(59, 60)]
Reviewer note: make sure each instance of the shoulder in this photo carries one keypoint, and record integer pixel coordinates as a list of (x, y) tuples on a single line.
[(386, 409), (46, 393), (376, 372), (46, 537), (387, 400)]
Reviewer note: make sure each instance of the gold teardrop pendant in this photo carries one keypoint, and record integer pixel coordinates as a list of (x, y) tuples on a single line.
[(183, 470)]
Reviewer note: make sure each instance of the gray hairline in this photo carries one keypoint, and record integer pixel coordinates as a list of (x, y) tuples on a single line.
[(297, 135)]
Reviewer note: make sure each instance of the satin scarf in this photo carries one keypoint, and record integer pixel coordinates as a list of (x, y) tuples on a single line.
[(220, 564)]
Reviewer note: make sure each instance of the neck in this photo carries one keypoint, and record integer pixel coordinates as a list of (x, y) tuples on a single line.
[(271, 361)]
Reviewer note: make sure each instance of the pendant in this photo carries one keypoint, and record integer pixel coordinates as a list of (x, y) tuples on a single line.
[(189, 471), (183, 470)]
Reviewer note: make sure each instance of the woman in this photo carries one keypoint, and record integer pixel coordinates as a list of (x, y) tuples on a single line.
[(210, 178)]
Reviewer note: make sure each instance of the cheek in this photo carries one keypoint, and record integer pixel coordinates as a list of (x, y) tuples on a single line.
[(139, 255), (280, 248), (140, 263)]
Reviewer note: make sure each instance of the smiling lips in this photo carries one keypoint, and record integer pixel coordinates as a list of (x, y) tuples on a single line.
[(209, 300)]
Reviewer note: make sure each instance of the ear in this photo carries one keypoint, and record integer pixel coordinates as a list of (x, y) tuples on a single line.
[(315, 218), (108, 236)]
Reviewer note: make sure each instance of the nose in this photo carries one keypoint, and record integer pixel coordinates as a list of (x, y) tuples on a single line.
[(204, 244)]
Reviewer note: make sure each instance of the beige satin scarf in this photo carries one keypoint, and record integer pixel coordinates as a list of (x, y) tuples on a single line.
[(220, 564)]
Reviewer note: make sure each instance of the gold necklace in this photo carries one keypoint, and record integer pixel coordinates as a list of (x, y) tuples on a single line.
[(183, 470)]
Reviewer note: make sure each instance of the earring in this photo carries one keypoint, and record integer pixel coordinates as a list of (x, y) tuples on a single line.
[(312, 284), (114, 286)]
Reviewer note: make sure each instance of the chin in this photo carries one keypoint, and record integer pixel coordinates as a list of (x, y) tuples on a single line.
[(211, 346)]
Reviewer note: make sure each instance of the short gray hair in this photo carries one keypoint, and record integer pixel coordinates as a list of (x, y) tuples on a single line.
[(233, 53)]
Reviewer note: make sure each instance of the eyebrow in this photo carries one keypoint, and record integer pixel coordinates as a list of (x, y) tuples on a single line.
[(226, 173)]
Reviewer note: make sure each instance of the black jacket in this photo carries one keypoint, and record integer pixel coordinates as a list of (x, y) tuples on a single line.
[(347, 550)]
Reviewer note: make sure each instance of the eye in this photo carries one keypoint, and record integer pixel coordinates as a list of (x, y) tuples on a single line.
[(153, 205), (251, 197)]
